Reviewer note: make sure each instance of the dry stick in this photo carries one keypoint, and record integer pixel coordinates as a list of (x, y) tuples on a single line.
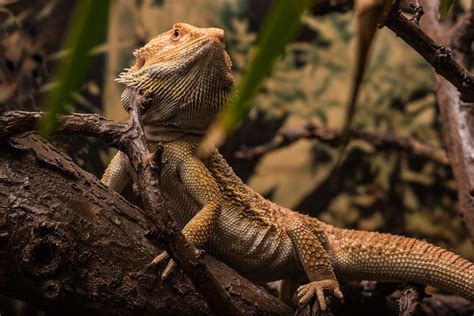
[(334, 137), (418, 12), (437, 55), (129, 138), (94, 125)]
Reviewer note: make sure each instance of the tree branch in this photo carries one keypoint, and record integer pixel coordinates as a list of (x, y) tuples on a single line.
[(93, 125), (68, 244), (439, 56), (334, 137), (129, 138)]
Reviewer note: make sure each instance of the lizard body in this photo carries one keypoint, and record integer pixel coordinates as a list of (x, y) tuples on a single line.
[(188, 74)]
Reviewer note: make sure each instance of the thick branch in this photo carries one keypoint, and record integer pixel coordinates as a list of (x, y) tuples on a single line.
[(439, 56), (130, 139), (94, 125), (334, 137), (70, 245)]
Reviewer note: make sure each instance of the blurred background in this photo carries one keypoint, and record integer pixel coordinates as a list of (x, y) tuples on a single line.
[(376, 189)]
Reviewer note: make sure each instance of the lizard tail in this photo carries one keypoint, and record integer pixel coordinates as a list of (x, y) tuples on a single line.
[(360, 255)]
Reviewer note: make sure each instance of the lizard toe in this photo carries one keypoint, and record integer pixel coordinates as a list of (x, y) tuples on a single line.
[(305, 293), (316, 288), (158, 259), (169, 268)]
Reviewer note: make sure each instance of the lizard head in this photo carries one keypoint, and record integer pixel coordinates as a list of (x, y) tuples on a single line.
[(188, 73)]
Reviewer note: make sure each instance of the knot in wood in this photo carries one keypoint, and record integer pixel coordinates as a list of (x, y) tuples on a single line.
[(46, 250), (442, 55), (51, 289)]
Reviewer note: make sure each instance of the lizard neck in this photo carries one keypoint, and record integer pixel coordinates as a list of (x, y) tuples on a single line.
[(159, 134), (189, 113), (167, 136)]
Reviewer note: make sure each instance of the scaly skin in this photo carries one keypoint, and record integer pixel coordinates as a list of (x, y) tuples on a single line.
[(188, 73)]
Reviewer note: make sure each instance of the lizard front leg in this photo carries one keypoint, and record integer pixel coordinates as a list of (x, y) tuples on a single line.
[(315, 262), (199, 182), (117, 174)]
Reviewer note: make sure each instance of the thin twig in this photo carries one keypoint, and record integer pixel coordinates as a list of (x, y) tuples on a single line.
[(417, 12), (439, 56), (333, 137)]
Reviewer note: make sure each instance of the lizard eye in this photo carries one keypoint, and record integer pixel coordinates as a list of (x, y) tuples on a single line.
[(176, 34)]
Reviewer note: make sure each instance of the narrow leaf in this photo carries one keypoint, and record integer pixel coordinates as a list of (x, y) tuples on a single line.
[(85, 29), (280, 26), (444, 7)]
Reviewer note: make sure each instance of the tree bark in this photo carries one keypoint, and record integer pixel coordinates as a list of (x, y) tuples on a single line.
[(68, 243)]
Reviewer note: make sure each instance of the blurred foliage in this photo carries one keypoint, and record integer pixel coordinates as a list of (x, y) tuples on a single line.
[(445, 6), (279, 27), (32, 40), (86, 27), (383, 191)]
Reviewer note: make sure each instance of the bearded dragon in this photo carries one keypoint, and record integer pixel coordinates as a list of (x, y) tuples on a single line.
[(187, 72)]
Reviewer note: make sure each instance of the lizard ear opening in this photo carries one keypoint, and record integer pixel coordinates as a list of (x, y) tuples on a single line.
[(139, 63)]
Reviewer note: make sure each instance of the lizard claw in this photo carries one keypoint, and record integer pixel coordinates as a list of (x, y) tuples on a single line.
[(158, 259), (316, 288), (169, 267)]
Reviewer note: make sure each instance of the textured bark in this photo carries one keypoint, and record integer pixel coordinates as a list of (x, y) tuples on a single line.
[(67, 243)]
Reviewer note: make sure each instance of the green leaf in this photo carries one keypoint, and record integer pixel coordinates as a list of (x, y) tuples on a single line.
[(444, 7), (279, 28), (86, 28)]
